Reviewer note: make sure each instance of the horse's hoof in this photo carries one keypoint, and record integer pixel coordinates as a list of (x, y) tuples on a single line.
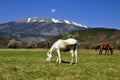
[(76, 63), (70, 63)]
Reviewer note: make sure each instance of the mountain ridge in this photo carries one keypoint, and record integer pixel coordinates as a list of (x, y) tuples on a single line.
[(51, 20), (41, 28)]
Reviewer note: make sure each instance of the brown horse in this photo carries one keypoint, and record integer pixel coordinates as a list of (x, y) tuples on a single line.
[(105, 47)]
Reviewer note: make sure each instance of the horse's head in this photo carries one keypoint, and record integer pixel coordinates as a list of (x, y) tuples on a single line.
[(49, 56), (111, 51)]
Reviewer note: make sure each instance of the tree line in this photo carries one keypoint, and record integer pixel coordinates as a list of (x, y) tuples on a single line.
[(48, 43)]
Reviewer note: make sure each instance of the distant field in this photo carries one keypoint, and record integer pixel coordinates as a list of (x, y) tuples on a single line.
[(30, 64)]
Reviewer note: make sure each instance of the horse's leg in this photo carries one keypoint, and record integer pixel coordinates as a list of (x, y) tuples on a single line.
[(76, 56), (59, 57), (72, 56), (108, 52), (75, 53), (100, 51), (105, 52)]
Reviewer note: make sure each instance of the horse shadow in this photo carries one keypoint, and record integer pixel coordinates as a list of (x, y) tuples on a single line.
[(65, 62)]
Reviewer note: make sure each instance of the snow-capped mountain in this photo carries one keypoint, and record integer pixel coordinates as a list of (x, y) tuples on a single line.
[(39, 27), (50, 20)]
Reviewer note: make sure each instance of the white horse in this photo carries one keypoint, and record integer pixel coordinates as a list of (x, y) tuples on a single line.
[(63, 45)]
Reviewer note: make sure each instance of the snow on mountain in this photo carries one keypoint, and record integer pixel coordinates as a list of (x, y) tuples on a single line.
[(29, 20), (42, 21), (55, 20), (50, 20), (68, 22)]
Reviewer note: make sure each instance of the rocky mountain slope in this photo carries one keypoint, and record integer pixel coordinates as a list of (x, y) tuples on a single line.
[(41, 28)]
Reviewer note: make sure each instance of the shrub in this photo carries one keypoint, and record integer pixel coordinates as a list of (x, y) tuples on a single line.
[(118, 44), (14, 44), (32, 44)]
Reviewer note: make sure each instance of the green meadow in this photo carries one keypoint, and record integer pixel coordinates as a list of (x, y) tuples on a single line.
[(30, 64)]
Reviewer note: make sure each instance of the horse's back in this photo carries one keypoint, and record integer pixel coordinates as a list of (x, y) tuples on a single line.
[(65, 43), (70, 41), (105, 46)]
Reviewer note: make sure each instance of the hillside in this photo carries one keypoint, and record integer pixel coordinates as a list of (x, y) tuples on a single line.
[(90, 37), (3, 41)]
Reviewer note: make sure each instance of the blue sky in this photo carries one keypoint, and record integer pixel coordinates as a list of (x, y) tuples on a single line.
[(93, 13)]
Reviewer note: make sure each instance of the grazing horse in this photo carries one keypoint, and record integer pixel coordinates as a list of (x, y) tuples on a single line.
[(105, 47), (63, 45)]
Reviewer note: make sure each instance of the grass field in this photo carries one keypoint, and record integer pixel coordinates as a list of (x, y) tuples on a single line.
[(30, 64)]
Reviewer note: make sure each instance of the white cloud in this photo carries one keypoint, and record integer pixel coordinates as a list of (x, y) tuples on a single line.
[(53, 10)]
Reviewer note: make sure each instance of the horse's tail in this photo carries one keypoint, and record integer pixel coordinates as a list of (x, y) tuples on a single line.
[(75, 49), (95, 46), (76, 46)]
